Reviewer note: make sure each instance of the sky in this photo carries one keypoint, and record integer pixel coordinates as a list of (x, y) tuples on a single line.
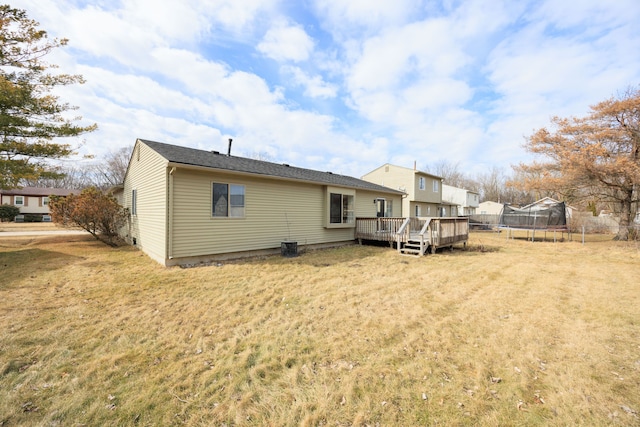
[(340, 85)]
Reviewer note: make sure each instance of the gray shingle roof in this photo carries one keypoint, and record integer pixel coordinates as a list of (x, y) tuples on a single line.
[(207, 159)]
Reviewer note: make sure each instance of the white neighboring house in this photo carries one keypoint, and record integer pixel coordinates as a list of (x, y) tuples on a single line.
[(490, 208), (546, 202), (467, 201)]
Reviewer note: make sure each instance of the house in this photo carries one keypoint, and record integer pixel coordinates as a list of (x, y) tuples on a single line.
[(466, 201), (489, 208), (546, 203), (424, 190), (188, 206), (32, 200)]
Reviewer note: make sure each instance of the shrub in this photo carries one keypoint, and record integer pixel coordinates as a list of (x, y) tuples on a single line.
[(8, 212), (32, 218), (93, 211)]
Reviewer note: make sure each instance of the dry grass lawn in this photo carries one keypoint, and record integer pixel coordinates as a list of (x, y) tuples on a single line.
[(507, 332)]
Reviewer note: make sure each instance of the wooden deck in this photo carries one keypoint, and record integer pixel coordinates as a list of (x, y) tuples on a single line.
[(415, 235)]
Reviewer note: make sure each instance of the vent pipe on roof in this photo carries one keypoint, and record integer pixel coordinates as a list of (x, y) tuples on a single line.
[(229, 149)]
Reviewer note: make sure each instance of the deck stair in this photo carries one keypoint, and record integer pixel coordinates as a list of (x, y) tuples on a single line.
[(413, 247)]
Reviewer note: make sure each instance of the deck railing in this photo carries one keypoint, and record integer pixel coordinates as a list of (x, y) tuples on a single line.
[(452, 230), (381, 229), (430, 231)]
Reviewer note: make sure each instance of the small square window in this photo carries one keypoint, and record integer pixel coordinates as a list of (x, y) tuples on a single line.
[(19, 201)]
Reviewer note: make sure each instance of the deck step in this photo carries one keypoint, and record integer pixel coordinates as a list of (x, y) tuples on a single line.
[(406, 250)]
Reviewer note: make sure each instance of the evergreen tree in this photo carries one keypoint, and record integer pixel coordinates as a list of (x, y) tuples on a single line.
[(30, 116)]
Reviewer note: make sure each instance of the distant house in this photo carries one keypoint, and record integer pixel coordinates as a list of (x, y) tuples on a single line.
[(189, 205), (32, 200), (466, 201), (489, 208), (547, 202), (424, 190)]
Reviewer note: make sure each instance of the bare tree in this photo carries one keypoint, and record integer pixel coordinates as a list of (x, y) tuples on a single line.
[(492, 185), (452, 175), (69, 176), (112, 170)]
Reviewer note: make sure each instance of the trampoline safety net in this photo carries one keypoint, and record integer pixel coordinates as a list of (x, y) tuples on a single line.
[(552, 217)]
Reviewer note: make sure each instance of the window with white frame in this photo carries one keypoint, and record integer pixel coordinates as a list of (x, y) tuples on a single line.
[(45, 201), (18, 201), (436, 186), (227, 200), (341, 209), (421, 183)]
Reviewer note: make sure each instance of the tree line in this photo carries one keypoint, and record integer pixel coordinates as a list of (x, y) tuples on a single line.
[(496, 184)]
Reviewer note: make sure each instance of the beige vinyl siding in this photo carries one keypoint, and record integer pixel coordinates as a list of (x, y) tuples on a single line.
[(275, 210), (148, 175), (32, 205), (428, 195), (426, 209), (366, 208), (398, 177), (395, 177)]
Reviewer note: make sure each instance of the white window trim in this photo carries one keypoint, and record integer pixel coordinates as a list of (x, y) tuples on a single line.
[(343, 192), (229, 216), (15, 200)]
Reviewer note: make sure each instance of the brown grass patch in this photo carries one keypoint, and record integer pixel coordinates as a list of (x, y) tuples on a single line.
[(517, 333)]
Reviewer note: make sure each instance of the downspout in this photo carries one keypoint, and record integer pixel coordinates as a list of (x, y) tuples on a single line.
[(170, 213)]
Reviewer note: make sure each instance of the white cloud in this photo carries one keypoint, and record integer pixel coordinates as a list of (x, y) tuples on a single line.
[(314, 86), (237, 15), (420, 51), (286, 43), (422, 80), (344, 19)]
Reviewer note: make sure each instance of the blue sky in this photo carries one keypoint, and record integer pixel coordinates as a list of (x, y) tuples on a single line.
[(340, 85)]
